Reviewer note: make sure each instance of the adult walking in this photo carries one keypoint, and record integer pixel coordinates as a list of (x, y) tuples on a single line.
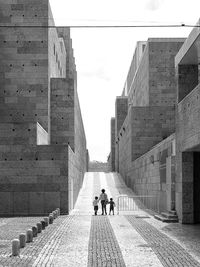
[(104, 200)]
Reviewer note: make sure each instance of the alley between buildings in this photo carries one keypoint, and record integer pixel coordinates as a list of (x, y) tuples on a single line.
[(132, 238)]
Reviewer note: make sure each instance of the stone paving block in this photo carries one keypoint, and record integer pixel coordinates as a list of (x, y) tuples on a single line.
[(103, 247), (168, 251)]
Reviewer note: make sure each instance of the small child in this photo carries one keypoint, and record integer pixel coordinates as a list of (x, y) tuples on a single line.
[(95, 204), (112, 205)]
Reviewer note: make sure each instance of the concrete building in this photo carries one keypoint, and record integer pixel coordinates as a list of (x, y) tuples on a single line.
[(43, 153), (145, 125), (188, 129)]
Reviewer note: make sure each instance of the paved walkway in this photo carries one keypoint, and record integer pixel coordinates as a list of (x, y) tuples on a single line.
[(81, 239)]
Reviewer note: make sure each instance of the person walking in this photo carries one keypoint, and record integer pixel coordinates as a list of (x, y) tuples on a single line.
[(112, 205), (95, 204), (104, 200)]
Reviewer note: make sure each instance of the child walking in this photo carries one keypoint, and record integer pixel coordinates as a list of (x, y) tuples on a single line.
[(95, 204), (112, 205)]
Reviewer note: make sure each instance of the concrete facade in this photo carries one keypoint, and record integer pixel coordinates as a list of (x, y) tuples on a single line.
[(42, 139), (135, 63), (145, 143), (97, 166), (112, 142), (188, 129), (121, 109)]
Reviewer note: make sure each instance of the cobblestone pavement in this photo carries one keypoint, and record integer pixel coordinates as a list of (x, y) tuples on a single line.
[(103, 246), (168, 251), (11, 229), (81, 239)]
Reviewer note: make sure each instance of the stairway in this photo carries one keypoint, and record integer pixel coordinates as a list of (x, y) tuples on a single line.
[(169, 216)]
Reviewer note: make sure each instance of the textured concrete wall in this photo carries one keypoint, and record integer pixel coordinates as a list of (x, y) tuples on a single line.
[(24, 67), (112, 142), (96, 166), (62, 111), (150, 125), (152, 174), (162, 80), (124, 145), (187, 79), (121, 109), (187, 136), (188, 121), (35, 179), (138, 53), (187, 129), (139, 91), (81, 153)]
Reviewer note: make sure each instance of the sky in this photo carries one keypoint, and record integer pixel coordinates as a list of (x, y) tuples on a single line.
[(103, 56)]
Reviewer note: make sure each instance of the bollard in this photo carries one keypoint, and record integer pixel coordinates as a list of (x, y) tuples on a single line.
[(39, 227), (29, 236), (50, 219), (15, 247), (58, 210), (22, 240), (46, 219), (54, 215), (43, 225), (35, 231)]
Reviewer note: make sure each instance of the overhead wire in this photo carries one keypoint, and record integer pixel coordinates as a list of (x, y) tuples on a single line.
[(103, 26)]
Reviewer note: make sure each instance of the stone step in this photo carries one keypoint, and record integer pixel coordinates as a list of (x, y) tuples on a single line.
[(165, 219), (169, 215), (172, 212)]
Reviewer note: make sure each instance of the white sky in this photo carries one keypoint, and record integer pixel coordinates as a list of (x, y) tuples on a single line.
[(103, 56)]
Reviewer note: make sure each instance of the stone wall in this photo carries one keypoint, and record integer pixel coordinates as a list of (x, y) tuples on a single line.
[(162, 76), (152, 174), (187, 136), (150, 123), (121, 109), (139, 91), (124, 145), (112, 142), (40, 117), (149, 126), (97, 166), (33, 180), (62, 111)]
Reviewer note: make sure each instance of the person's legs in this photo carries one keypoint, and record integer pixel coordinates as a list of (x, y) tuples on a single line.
[(105, 208), (102, 206), (110, 211)]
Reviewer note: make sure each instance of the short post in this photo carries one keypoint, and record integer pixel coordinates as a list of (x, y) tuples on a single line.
[(15, 247), (58, 211), (46, 219), (39, 227), (50, 218), (43, 225), (54, 214), (35, 231), (29, 236), (22, 240)]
